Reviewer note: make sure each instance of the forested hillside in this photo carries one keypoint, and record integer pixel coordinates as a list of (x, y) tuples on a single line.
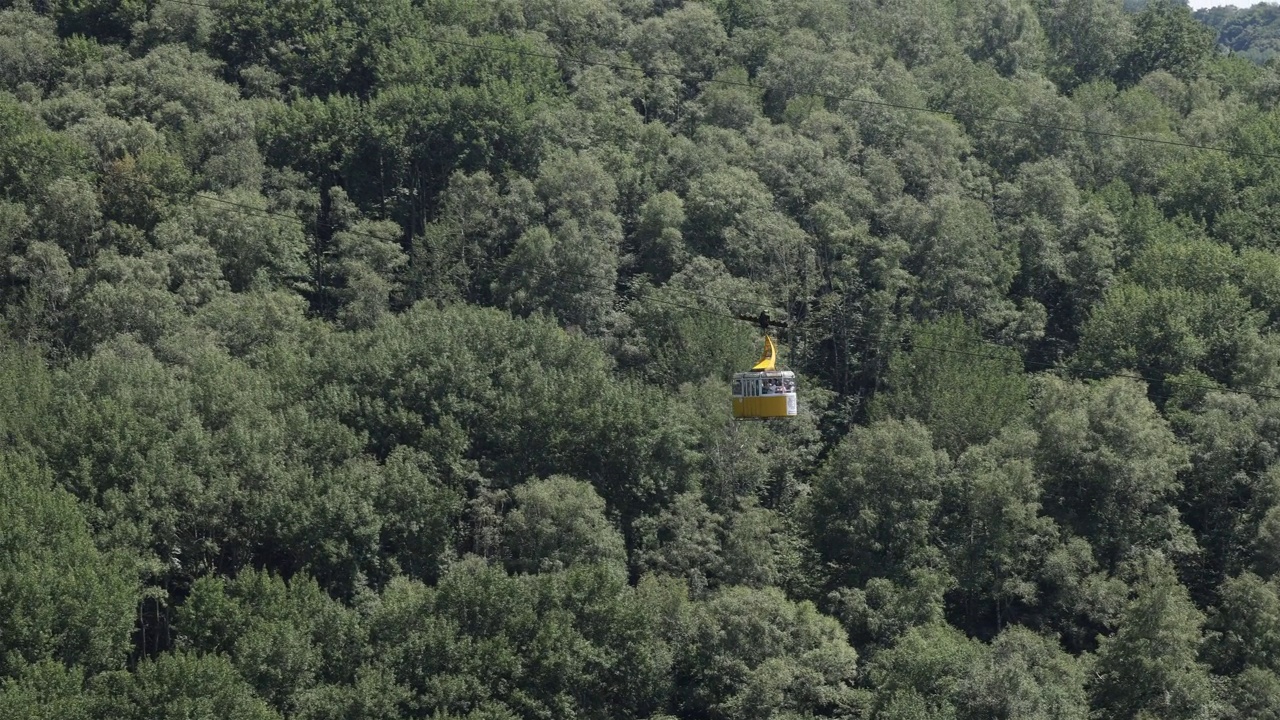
[(1252, 32), (370, 359)]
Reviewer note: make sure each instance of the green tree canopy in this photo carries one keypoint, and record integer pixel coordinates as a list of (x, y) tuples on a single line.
[(64, 599), (962, 389)]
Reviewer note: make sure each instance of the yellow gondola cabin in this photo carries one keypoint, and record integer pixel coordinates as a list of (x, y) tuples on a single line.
[(764, 392)]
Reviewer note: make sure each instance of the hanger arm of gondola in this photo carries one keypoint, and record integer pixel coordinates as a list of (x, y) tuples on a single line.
[(764, 321)]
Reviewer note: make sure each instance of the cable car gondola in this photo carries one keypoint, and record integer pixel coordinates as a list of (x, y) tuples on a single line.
[(765, 391)]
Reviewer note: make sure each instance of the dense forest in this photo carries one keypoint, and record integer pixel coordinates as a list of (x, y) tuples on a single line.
[(1252, 32), (370, 359)]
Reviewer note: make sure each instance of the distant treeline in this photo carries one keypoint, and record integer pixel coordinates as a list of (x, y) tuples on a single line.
[(1253, 32)]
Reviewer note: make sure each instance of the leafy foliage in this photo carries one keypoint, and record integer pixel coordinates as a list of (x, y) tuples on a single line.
[(371, 359), (1251, 31), (64, 600)]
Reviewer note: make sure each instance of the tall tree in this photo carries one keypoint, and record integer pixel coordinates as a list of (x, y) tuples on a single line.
[(558, 522), (872, 511), (64, 599), (1111, 464), (1151, 666), (1087, 38), (961, 388), (997, 540), (1167, 37), (755, 654)]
